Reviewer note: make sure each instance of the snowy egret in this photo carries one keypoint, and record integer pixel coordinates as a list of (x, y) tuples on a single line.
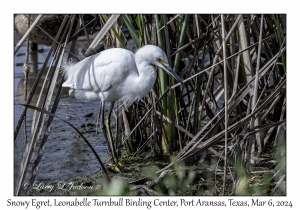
[(116, 74)]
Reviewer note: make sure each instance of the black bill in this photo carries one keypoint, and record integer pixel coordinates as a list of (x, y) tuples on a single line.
[(172, 72)]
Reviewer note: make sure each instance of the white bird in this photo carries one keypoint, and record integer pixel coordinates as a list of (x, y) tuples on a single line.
[(116, 74)]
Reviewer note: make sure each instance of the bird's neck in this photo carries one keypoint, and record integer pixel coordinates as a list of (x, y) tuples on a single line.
[(147, 77)]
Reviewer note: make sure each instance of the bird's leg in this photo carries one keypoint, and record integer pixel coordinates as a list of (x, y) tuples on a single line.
[(108, 137), (107, 123), (104, 131)]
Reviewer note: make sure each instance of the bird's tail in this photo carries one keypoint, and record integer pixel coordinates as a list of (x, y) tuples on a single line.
[(66, 66), (75, 72)]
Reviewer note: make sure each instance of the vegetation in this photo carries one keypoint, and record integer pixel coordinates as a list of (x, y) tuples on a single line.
[(227, 126)]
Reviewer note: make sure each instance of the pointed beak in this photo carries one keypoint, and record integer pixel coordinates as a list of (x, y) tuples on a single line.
[(168, 69)]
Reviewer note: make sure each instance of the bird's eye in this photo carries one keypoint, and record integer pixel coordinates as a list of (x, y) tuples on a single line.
[(159, 60)]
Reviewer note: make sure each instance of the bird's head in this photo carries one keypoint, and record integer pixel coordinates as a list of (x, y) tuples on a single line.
[(160, 59)]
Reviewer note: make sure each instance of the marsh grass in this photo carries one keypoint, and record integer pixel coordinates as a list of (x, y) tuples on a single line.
[(190, 121)]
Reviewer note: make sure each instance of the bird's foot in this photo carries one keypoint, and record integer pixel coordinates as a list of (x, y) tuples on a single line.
[(115, 167)]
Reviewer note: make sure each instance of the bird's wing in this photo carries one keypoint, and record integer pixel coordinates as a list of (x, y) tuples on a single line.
[(101, 71)]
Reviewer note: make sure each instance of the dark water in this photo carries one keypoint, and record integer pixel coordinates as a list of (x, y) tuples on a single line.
[(66, 154)]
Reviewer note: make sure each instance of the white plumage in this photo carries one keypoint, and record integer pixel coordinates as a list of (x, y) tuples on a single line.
[(116, 74)]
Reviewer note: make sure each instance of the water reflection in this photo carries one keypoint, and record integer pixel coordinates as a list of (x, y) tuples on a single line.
[(31, 80)]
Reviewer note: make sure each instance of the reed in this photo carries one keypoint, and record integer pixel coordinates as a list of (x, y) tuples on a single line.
[(233, 107)]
